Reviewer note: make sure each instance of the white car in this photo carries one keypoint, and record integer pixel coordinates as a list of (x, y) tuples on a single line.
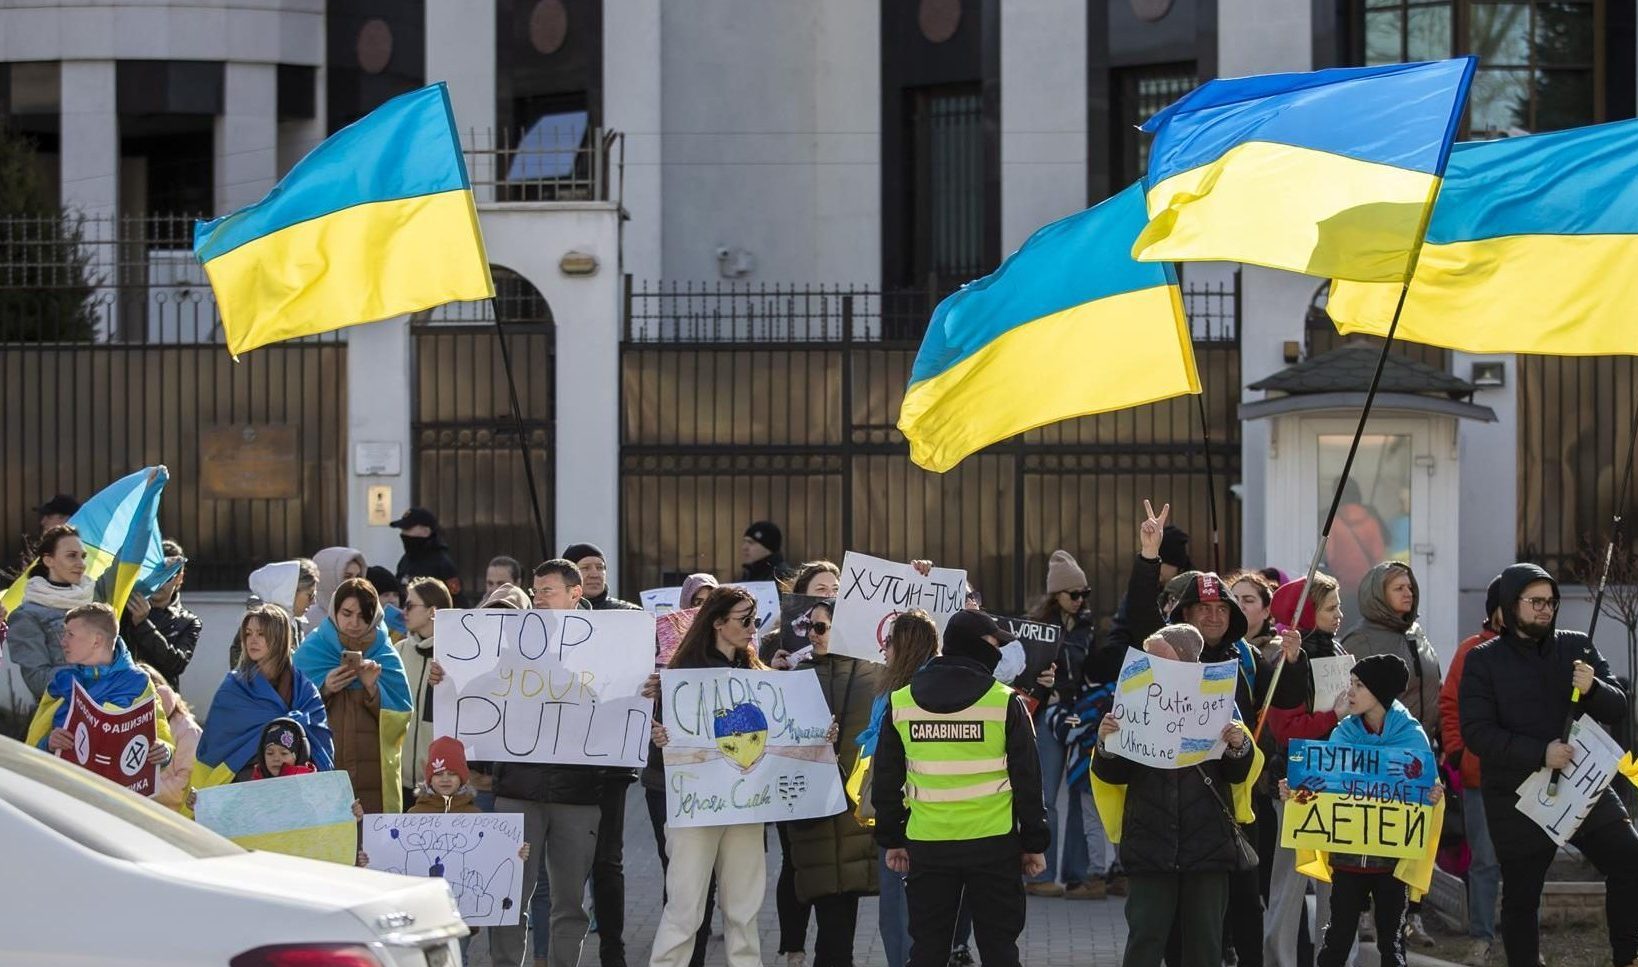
[(93, 874)]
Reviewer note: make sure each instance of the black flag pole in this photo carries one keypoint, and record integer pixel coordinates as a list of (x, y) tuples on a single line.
[(522, 432), (1211, 487), (1336, 498)]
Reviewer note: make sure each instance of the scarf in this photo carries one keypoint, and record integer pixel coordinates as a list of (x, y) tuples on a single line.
[(320, 653), (62, 597), (1400, 730), (117, 685), (243, 706)]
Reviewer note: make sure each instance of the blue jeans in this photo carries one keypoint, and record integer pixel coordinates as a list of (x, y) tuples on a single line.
[(1054, 758), (1484, 870), (1091, 842), (540, 911), (893, 917)]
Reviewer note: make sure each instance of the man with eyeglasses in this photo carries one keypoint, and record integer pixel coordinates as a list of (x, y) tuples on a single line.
[(157, 629), (1517, 693), (561, 807)]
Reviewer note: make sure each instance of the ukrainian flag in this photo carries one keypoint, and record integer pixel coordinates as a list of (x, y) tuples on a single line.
[(376, 222), (1068, 325), (1530, 250), (1328, 173), (1218, 679), (120, 529), (1138, 673)]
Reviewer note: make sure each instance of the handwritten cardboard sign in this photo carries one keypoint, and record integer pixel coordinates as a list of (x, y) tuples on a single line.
[(1171, 713), (1330, 679), (1579, 786), (113, 745), (874, 592), (1363, 799), (545, 686), (1038, 645), (747, 747), (475, 853), (307, 815), (658, 601)]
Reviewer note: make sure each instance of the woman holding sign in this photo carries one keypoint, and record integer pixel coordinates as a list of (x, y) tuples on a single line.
[(723, 635), (365, 691)]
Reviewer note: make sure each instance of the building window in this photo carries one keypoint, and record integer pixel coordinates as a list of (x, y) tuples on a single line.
[(1140, 93), (946, 180), (1538, 61)]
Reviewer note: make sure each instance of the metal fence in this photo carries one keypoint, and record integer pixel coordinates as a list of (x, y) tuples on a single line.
[(748, 403), (544, 164), (111, 359)]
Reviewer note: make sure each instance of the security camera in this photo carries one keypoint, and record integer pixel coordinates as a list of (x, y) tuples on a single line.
[(723, 252)]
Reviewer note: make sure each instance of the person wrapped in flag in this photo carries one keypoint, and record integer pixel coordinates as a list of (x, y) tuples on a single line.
[(366, 693), (1178, 830)]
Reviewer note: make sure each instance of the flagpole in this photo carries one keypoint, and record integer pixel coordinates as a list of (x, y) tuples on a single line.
[(1211, 487), (1336, 498), (523, 438)]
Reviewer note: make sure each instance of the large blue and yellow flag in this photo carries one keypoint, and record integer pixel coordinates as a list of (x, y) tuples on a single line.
[(120, 529), (1329, 173), (1531, 249), (1068, 325), (376, 222)]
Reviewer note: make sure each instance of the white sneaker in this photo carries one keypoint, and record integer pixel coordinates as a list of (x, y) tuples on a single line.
[(1415, 933)]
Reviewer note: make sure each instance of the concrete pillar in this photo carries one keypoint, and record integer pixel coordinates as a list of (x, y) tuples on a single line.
[(461, 52), (1043, 115), (247, 135), (379, 405), (847, 202), (1277, 36), (89, 168), (632, 105), (1488, 455)]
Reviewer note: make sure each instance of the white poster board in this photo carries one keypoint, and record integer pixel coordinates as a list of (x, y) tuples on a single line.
[(1330, 679), (659, 601), (1579, 786), (875, 591), (476, 853), (545, 686), (747, 747), (1171, 713)]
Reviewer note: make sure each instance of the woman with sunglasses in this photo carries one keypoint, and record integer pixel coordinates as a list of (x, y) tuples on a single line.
[(1083, 850)]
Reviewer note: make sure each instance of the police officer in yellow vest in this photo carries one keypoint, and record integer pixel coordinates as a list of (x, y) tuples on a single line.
[(957, 788)]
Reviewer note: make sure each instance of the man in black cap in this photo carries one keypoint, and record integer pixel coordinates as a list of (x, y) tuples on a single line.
[(594, 579), (759, 554), (426, 555), (1518, 691), (957, 790), (608, 866), (56, 511)]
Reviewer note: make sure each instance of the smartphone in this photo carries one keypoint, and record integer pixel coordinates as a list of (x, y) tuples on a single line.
[(352, 659)]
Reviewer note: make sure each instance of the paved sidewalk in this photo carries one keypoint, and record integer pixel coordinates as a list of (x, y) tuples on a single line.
[(1059, 933)]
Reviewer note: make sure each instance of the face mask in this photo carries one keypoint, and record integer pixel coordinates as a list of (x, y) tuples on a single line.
[(1012, 662), (415, 544)]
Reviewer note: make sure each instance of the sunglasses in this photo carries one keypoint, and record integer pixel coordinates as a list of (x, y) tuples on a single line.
[(1078, 595), (819, 627), (974, 597), (748, 621)]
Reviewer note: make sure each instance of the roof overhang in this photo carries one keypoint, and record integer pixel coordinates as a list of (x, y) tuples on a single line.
[(1396, 402)]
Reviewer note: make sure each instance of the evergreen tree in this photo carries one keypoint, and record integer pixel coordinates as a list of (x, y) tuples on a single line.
[(45, 289)]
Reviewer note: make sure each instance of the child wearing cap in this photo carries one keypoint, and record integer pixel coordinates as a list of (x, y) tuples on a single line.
[(284, 751), (1376, 718), (447, 788)]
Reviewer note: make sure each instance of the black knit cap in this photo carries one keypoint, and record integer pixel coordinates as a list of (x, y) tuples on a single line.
[(383, 580), (579, 552), (1385, 675), (1174, 548), (286, 733), (766, 533)]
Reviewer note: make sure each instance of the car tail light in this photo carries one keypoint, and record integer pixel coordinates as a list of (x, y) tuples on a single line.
[(308, 955)]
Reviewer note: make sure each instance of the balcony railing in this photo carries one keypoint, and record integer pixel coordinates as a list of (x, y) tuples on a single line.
[(544, 164)]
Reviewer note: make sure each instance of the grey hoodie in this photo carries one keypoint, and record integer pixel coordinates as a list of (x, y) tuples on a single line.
[(1382, 631)]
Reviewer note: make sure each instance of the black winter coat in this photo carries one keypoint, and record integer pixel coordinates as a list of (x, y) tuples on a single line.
[(428, 557), (1173, 821), (165, 639), (1515, 699), (770, 568), (608, 602), (1137, 618)]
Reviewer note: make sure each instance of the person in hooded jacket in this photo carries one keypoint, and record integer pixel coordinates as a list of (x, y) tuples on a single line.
[(1389, 601), (335, 565), (426, 555), (291, 585), (1518, 692), (968, 825), (1177, 833), (423, 599)]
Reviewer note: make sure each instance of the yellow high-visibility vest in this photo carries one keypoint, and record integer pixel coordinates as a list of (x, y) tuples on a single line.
[(956, 784)]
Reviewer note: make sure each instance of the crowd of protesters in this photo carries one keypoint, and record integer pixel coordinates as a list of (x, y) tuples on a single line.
[(332, 667)]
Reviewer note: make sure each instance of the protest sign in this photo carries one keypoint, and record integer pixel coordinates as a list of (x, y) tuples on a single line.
[(669, 629), (658, 601), (1330, 679), (747, 747), (111, 744), (1171, 713), (1368, 800), (476, 853), (798, 615), (874, 592), (545, 686), (1038, 642), (1579, 786), (307, 815)]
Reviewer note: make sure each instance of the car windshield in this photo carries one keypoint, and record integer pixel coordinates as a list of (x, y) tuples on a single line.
[(17, 759)]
